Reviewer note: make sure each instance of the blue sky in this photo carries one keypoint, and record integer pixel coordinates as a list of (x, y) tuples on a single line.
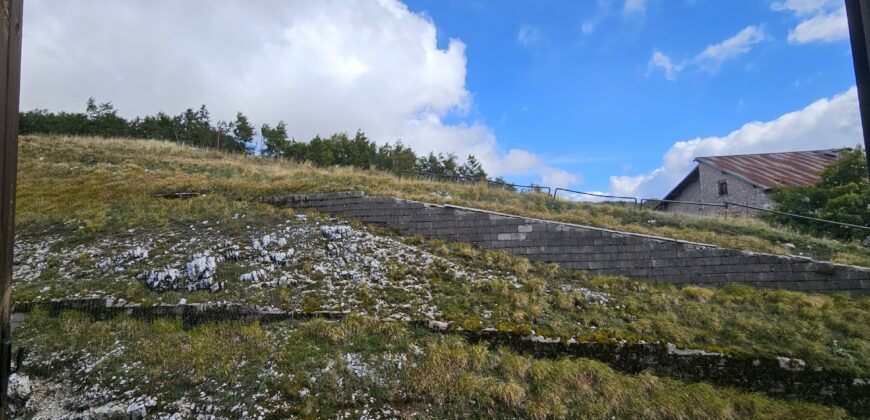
[(609, 96), (587, 101)]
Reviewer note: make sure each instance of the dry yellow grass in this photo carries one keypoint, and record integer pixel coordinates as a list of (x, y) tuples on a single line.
[(94, 184)]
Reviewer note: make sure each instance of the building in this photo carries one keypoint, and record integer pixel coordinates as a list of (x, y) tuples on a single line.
[(745, 179)]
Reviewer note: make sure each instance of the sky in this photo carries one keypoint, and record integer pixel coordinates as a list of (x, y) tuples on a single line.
[(613, 96)]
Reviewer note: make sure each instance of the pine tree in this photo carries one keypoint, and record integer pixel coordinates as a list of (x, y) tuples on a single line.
[(473, 169)]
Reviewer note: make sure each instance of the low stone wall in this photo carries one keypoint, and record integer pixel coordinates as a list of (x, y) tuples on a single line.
[(778, 377), (596, 250)]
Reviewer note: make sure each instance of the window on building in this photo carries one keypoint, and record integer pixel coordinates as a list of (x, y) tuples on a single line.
[(723, 188)]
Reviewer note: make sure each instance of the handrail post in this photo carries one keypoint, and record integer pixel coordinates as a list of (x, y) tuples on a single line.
[(10, 86)]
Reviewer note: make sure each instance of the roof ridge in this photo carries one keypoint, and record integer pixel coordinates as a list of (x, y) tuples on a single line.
[(777, 153)]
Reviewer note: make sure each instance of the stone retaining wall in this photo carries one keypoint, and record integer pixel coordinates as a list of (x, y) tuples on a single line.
[(779, 377), (596, 250)]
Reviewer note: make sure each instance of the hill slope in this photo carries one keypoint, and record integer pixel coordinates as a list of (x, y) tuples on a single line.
[(117, 176), (89, 226)]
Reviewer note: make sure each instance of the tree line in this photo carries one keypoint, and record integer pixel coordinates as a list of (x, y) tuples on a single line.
[(191, 127), (361, 152), (195, 127)]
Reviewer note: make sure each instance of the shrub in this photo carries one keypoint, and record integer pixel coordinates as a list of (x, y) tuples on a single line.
[(842, 194)]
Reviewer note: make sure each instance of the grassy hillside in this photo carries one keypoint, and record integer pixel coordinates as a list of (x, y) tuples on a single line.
[(113, 180), (89, 226)]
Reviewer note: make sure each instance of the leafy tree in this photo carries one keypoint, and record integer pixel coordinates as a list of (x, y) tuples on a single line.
[(194, 128), (449, 164), (319, 152), (160, 126), (403, 159), (430, 164), (104, 120), (242, 129), (842, 194), (296, 151), (275, 139), (342, 149), (223, 137), (43, 121), (396, 158), (362, 151)]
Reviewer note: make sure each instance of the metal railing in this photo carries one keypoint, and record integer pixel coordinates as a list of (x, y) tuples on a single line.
[(556, 192), (527, 188), (638, 202), (694, 203), (435, 176), (815, 219)]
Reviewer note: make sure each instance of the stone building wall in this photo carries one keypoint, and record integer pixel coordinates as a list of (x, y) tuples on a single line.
[(596, 250), (692, 193), (706, 190), (739, 190)]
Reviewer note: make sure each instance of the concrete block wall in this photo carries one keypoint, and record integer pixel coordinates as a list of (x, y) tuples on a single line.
[(596, 250)]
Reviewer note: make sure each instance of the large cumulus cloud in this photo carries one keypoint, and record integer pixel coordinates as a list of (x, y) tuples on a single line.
[(320, 65)]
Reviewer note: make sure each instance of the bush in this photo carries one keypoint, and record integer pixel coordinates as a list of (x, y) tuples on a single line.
[(842, 194)]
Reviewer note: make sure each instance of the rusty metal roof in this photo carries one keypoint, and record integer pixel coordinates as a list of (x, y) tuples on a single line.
[(768, 170)]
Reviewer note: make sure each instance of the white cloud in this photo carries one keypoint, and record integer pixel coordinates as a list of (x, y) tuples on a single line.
[(634, 10), (804, 7), (518, 162), (557, 178), (715, 54), (712, 57), (661, 61), (821, 20), (322, 66), (634, 6), (826, 123), (529, 34), (828, 27)]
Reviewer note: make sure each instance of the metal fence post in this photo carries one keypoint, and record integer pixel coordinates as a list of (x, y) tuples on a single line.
[(10, 84)]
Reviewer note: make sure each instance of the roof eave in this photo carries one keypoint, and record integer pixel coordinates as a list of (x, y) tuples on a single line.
[(681, 185)]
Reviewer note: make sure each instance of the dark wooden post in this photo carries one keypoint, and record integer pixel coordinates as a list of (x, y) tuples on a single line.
[(858, 12), (10, 80)]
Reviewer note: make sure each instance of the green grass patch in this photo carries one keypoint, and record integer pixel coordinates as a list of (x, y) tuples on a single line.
[(322, 368)]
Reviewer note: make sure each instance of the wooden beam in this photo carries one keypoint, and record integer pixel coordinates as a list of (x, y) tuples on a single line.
[(858, 12), (10, 84)]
